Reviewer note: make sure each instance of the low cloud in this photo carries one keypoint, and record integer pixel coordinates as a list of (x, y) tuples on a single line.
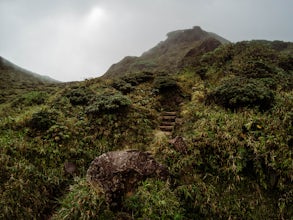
[(74, 40)]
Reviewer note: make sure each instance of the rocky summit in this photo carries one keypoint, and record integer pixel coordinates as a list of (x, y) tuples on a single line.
[(170, 54)]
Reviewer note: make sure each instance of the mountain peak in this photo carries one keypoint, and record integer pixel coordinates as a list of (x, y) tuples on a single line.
[(167, 55), (188, 35)]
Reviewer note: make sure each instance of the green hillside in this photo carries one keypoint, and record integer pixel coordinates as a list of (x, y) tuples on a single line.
[(16, 80), (234, 116)]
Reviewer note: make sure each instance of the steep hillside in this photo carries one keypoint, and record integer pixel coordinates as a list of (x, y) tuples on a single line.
[(15, 80), (169, 55), (222, 125)]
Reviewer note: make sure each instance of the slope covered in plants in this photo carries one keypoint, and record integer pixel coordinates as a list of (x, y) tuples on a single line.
[(16, 80), (235, 106)]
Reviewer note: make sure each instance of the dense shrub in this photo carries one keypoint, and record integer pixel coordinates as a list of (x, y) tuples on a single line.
[(165, 83), (108, 103), (137, 78), (79, 96), (254, 69), (241, 92), (286, 63), (126, 84), (42, 120), (122, 86)]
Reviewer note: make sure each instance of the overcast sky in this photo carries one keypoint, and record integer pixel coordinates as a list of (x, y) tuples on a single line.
[(77, 39)]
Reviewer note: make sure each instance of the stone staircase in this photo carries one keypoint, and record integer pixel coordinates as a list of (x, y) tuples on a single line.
[(168, 121)]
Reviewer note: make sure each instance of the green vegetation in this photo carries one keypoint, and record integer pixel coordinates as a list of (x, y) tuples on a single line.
[(31, 98), (42, 121), (165, 84), (235, 111), (154, 200), (79, 96), (83, 202), (241, 92), (108, 103)]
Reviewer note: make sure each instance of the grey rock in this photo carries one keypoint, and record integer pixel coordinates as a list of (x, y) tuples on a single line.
[(118, 172)]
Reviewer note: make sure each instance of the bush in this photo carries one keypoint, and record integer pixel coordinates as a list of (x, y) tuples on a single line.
[(136, 78), (108, 103), (165, 83), (241, 92), (42, 120), (122, 86), (254, 69), (79, 96)]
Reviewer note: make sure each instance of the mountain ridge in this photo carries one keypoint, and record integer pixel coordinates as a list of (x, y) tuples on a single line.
[(167, 55), (16, 80), (4, 63)]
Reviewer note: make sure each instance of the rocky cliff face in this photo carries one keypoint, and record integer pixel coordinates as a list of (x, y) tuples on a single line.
[(169, 55)]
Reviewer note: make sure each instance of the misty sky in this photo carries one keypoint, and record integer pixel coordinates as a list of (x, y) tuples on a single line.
[(77, 39)]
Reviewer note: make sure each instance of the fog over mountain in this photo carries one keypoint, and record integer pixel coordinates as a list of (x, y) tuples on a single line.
[(74, 40)]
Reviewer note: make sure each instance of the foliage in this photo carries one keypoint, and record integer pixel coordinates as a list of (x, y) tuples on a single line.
[(83, 202), (154, 200), (165, 83), (79, 96), (233, 157), (19, 197), (241, 92), (137, 78), (254, 59), (122, 86), (59, 133), (127, 83), (31, 98), (42, 120), (238, 164), (108, 103)]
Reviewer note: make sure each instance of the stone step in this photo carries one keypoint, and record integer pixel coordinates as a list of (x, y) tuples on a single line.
[(169, 113), (166, 128), (168, 123), (168, 118)]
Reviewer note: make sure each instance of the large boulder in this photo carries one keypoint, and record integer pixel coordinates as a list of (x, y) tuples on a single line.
[(118, 172)]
